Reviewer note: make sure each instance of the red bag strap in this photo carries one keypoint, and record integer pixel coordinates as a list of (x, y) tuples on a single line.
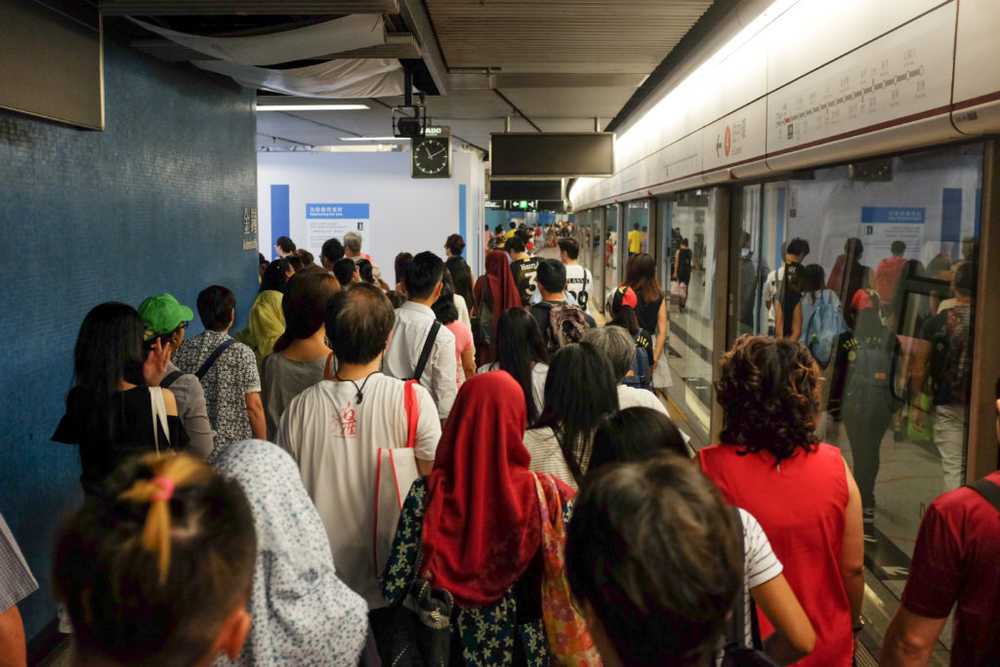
[(328, 373), (412, 412)]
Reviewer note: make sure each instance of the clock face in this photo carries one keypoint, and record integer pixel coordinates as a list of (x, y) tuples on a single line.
[(431, 158)]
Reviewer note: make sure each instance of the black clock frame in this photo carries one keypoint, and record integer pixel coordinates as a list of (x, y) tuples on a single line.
[(416, 171)]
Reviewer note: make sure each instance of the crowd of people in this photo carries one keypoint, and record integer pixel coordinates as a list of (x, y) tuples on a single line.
[(453, 471)]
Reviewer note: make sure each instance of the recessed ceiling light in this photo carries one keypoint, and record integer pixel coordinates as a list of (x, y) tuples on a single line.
[(313, 107), (374, 138)]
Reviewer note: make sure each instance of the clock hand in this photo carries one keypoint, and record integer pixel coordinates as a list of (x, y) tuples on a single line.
[(435, 154)]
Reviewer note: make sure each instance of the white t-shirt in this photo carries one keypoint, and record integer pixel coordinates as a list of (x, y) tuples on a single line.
[(579, 279), (333, 438), (539, 373), (633, 397), (760, 566)]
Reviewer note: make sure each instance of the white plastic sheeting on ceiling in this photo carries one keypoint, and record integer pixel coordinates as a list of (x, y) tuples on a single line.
[(358, 31), (337, 79)]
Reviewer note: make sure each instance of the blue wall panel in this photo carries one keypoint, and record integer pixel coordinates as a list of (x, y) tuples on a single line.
[(153, 203)]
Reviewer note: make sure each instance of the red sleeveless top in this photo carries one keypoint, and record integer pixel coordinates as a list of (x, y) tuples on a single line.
[(801, 505)]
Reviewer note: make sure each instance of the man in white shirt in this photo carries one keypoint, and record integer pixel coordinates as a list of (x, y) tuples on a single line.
[(334, 431), (418, 336), (579, 281), (619, 347)]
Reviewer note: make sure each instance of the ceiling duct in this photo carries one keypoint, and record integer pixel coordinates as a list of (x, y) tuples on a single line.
[(245, 7)]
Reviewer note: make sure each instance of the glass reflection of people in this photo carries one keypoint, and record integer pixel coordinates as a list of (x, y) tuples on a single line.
[(889, 272), (946, 359), (868, 404), (784, 291), (682, 270), (848, 276), (747, 285)]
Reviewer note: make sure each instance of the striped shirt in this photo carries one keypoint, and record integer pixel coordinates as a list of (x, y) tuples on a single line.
[(547, 455), (16, 580)]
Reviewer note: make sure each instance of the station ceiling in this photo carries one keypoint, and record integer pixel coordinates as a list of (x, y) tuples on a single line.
[(549, 65)]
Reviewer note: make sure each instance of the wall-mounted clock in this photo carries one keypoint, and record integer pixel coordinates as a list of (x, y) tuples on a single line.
[(431, 157)]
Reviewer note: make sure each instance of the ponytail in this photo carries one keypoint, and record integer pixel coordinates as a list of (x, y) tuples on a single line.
[(150, 567), (171, 473)]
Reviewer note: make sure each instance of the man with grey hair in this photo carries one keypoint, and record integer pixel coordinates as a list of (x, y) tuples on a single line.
[(619, 347), (352, 250)]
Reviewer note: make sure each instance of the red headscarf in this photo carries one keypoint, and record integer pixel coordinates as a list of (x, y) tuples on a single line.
[(504, 294), (482, 524)]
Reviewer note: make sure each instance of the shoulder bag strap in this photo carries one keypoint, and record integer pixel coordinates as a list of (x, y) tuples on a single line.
[(736, 628), (159, 412), (988, 490), (212, 358), (412, 412), (170, 379), (425, 354), (328, 372)]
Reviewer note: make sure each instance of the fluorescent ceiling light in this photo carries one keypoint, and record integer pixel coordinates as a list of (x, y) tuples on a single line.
[(313, 107), (374, 138)]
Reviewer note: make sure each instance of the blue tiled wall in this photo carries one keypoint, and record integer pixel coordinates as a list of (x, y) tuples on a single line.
[(153, 203)]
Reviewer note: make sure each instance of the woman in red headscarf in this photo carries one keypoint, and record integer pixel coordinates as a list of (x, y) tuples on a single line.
[(474, 528), (495, 293)]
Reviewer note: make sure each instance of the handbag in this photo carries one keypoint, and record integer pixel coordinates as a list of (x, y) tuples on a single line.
[(159, 412), (569, 638), (395, 471), (678, 292)]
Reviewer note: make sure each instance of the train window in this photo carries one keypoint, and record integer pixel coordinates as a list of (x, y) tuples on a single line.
[(637, 227), (688, 239), (877, 277)]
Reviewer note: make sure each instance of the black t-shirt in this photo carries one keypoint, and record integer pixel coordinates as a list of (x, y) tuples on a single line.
[(131, 426), (790, 294), (684, 265), (524, 271)]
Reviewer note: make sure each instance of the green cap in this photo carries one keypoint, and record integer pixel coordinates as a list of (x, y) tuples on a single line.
[(162, 314)]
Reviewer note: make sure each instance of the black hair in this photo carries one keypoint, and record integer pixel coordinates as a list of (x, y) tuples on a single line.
[(148, 581), (635, 225), (813, 278), (966, 276), (513, 225), (624, 317), (498, 229), (461, 277), (854, 248), (798, 247), (402, 261), (333, 250), (767, 389), (304, 306), (275, 277), (551, 276), (344, 271), (423, 274), (308, 259), (261, 260), (898, 248), (653, 552), (286, 244), (215, 307), (455, 244), (295, 262), (571, 247), (580, 390), (515, 244), (635, 435), (366, 270), (358, 323), (108, 350), (520, 344), (444, 308), (617, 346)]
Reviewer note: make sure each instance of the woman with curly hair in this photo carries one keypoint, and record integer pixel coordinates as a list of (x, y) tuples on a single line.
[(771, 464)]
